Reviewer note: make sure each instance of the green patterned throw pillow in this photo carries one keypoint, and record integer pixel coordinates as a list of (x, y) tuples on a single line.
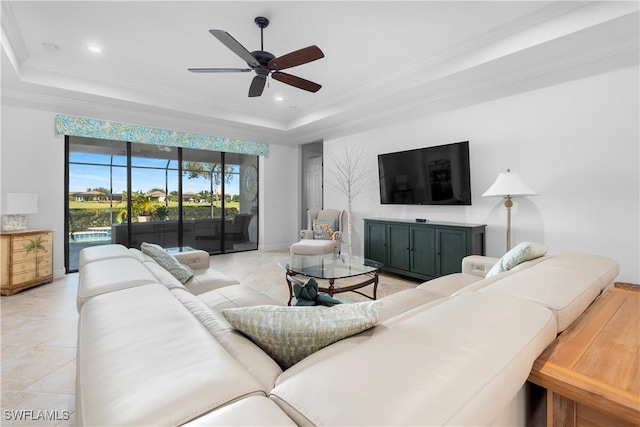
[(525, 251), (289, 334), (323, 230), (167, 261)]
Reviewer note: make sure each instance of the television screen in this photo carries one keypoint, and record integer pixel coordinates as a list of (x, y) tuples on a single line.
[(437, 175)]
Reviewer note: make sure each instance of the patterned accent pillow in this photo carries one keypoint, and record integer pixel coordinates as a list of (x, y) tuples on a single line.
[(525, 251), (167, 261), (323, 230), (289, 334)]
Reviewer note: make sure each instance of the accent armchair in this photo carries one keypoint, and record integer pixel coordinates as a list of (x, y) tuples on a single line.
[(322, 235)]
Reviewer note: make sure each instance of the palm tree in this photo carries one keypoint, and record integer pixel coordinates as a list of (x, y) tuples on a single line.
[(36, 245)]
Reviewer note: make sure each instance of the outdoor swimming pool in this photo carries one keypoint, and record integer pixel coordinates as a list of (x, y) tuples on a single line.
[(79, 240)]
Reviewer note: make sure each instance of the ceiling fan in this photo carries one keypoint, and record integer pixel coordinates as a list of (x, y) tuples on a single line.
[(265, 63)]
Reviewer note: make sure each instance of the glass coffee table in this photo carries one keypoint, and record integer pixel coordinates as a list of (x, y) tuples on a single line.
[(333, 267)]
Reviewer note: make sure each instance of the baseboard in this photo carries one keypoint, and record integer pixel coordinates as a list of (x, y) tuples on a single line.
[(627, 286), (59, 273), (274, 248)]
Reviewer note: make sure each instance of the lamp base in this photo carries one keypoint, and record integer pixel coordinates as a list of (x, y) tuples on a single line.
[(14, 222)]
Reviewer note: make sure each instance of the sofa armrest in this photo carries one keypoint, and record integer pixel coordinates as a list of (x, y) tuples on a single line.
[(193, 259), (306, 234), (478, 265)]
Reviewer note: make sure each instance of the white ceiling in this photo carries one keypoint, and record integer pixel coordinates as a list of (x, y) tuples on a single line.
[(382, 58)]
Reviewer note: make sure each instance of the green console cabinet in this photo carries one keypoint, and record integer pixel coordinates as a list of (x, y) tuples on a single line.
[(424, 250)]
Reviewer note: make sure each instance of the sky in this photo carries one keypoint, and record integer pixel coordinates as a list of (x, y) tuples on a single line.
[(83, 176)]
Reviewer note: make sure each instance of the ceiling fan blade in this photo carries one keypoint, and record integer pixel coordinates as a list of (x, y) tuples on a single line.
[(257, 86), (235, 47), (296, 58), (295, 81), (220, 70)]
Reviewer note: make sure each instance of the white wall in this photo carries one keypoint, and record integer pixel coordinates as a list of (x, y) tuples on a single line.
[(279, 197), (576, 144), (32, 160)]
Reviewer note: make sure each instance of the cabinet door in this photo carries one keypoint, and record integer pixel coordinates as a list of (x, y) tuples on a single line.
[(423, 250), (451, 248), (375, 242), (398, 248)]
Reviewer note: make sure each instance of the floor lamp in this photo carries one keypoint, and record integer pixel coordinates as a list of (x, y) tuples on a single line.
[(508, 185)]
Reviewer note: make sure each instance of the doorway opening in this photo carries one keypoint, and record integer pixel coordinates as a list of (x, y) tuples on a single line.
[(312, 179)]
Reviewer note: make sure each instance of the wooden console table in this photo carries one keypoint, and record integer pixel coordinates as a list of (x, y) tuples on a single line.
[(592, 371)]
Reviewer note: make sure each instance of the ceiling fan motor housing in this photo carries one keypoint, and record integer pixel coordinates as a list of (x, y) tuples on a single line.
[(263, 58)]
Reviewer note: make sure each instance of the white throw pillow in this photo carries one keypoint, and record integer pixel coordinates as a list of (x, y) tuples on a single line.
[(167, 261), (525, 251)]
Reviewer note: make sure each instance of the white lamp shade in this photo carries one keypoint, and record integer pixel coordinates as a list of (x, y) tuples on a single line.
[(19, 203), (509, 184)]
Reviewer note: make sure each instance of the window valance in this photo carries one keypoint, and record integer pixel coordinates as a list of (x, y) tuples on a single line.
[(102, 129)]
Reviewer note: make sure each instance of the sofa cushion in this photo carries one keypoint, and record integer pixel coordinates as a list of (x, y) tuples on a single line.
[(101, 252), (566, 284), (289, 334), (144, 360), (525, 251), (96, 278), (451, 283), (457, 363), (258, 363), (250, 411), (167, 261), (233, 296), (208, 279)]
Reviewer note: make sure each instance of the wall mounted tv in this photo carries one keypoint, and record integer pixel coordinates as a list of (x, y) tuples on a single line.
[(437, 175)]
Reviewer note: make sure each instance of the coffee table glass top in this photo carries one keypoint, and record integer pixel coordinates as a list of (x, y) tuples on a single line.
[(329, 266)]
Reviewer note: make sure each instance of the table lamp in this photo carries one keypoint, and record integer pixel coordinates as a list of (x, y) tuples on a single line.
[(508, 185), (15, 208)]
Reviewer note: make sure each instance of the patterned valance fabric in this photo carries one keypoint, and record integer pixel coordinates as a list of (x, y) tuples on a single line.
[(102, 129)]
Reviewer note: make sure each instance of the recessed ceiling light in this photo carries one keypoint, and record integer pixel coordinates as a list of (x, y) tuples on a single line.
[(50, 46), (94, 49), (279, 98)]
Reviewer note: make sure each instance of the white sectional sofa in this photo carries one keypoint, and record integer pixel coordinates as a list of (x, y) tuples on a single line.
[(454, 351), (109, 268)]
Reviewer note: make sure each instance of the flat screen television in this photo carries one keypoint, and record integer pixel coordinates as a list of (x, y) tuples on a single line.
[(438, 175)]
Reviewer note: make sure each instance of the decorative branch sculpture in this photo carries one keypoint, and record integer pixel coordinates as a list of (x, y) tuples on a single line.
[(351, 179)]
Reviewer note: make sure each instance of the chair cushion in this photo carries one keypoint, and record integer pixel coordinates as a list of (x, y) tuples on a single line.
[(313, 247)]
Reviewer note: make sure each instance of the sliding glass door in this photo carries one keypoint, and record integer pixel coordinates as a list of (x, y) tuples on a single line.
[(129, 193)]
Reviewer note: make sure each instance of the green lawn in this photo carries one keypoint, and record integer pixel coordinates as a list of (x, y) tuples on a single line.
[(121, 205)]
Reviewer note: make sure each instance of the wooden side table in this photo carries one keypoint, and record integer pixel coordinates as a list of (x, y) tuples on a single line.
[(27, 259), (592, 371)]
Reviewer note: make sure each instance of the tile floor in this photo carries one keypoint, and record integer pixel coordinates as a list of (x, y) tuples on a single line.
[(38, 341)]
